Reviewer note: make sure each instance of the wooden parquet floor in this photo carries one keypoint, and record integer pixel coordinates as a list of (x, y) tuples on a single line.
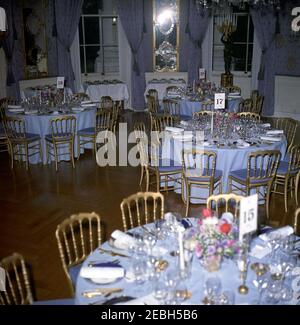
[(33, 203)]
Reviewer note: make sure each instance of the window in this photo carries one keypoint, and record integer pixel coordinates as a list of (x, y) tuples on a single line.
[(242, 44), (98, 38)]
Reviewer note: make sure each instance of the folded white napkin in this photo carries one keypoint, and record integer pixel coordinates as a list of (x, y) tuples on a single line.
[(88, 105), (33, 112), (274, 132), (173, 129), (242, 144), (270, 138), (184, 123), (183, 137), (260, 251), (122, 240), (14, 106), (266, 125), (16, 110), (77, 109), (281, 232), (102, 272), (146, 300)]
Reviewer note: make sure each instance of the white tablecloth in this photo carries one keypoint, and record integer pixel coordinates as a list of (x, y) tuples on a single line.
[(117, 91), (161, 88)]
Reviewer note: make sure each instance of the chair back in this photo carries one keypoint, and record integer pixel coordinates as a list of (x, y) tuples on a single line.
[(154, 94), (231, 202), (142, 208), (294, 159), (15, 128), (106, 103), (171, 107), (297, 213), (198, 115), (289, 126), (77, 237), (199, 163), (103, 121), (262, 166), (246, 105), (250, 115), (139, 131), (17, 285), (151, 104), (63, 127), (258, 104), (162, 121)]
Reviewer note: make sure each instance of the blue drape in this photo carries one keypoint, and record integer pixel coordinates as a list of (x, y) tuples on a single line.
[(264, 22), (131, 13), (67, 15)]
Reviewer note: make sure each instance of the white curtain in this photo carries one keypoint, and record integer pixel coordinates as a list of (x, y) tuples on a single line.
[(75, 57), (125, 61)]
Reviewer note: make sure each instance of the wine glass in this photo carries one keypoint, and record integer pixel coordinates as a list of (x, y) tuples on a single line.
[(213, 287)]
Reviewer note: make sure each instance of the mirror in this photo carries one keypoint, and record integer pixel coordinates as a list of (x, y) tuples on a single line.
[(166, 34), (35, 45)]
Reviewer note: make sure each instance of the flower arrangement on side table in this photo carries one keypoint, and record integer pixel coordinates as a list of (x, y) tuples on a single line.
[(213, 238)]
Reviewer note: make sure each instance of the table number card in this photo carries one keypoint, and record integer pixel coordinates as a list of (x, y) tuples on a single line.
[(248, 215), (60, 83), (2, 279), (220, 101), (202, 74)]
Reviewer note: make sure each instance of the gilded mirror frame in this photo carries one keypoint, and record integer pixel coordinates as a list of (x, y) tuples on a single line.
[(171, 50)]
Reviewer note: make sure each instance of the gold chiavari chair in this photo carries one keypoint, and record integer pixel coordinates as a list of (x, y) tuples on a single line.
[(198, 115), (288, 174), (140, 135), (199, 170), (160, 122), (260, 173), (62, 137), (142, 208), (250, 115), (289, 127), (151, 105), (171, 107), (106, 103), (154, 94), (77, 237), (80, 96), (297, 213), (258, 104), (20, 142), (232, 203), (103, 122), (18, 289), (165, 172), (246, 105)]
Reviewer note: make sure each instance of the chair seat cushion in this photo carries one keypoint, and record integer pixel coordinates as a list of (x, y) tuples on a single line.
[(193, 175), (28, 137), (87, 131), (283, 168), (168, 165), (74, 272), (241, 174), (59, 136)]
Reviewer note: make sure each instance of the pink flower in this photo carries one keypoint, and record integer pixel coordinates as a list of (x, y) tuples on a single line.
[(207, 213)]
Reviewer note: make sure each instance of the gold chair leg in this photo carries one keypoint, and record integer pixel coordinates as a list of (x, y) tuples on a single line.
[(230, 184), (296, 187), (187, 200), (26, 155), (72, 153), (55, 155), (142, 175), (147, 180), (78, 147), (286, 184)]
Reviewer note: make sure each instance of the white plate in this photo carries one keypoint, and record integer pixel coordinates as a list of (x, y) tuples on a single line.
[(104, 280)]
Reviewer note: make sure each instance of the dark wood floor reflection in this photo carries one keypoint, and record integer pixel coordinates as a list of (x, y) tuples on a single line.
[(34, 202)]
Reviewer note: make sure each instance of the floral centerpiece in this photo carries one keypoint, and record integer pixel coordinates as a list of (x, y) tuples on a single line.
[(213, 238)]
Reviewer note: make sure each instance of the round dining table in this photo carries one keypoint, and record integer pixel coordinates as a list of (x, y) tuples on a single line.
[(228, 159), (126, 288), (40, 124)]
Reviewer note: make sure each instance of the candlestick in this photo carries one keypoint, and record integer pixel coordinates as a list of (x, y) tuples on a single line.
[(181, 251)]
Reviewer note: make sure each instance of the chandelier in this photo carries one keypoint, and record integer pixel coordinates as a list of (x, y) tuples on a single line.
[(219, 4)]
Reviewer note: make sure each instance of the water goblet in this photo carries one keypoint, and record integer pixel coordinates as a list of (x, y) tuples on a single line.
[(213, 287)]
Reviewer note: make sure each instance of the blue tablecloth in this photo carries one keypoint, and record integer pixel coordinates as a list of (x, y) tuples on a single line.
[(189, 107), (40, 124), (228, 274), (228, 159)]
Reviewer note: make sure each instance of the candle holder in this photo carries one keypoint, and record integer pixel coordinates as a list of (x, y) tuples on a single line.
[(243, 268)]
